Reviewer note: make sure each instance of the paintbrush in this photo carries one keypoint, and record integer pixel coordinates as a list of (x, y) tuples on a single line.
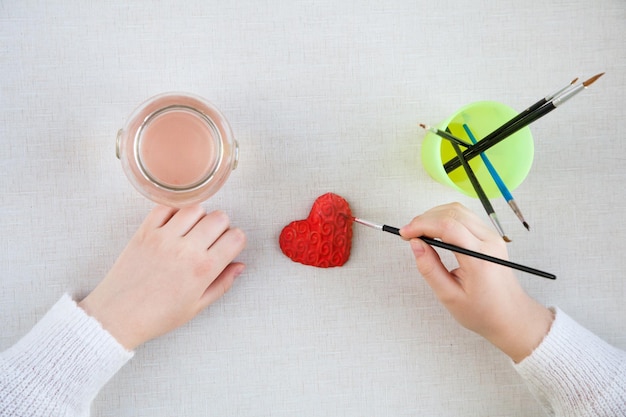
[(498, 180), (509, 128), (480, 192), (458, 249), (531, 109), (446, 135)]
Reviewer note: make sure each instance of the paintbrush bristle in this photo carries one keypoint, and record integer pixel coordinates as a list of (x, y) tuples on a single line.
[(506, 239), (593, 79), (526, 226), (423, 126)]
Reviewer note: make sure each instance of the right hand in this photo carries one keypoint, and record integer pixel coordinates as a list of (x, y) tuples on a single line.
[(482, 296)]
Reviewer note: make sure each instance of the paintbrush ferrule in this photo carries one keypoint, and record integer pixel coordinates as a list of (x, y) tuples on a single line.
[(561, 90), (498, 226), (518, 212), (567, 95), (368, 224)]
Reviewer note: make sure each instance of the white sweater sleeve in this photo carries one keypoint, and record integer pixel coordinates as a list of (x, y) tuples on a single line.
[(575, 373), (58, 368)]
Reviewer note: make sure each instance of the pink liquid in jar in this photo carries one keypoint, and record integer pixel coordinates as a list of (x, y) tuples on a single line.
[(177, 148)]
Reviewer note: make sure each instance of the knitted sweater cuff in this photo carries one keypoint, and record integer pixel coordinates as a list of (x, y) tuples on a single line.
[(61, 363), (575, 373)]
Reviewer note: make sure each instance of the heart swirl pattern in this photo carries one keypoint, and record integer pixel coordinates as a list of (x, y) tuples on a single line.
[(324, 238)]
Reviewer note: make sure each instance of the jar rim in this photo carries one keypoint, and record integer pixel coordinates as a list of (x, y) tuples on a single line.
[(199, 180)]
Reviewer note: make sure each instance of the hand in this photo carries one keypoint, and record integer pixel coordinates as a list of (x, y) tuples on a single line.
[(483, 297), (176, 264)]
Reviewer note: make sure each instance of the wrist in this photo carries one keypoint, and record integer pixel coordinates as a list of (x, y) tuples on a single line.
[(97, 310), (524, 330)]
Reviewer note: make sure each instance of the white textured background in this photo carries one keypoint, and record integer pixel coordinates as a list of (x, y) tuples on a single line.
[(322, 96)]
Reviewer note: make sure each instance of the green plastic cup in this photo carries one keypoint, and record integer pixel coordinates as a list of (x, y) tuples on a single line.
[(512, 157)]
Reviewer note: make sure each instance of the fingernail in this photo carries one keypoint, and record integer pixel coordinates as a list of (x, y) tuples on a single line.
[(404, 232)]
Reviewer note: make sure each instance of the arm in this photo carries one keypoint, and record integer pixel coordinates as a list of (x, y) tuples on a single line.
[(59, 366), (569, 369), (176, 264), (575, 373)]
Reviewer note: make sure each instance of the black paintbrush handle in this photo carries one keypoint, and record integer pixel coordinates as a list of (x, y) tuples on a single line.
[(453, 139), (391, 229), (517, 118), (493, 139), (474, 181), (482, 256), (463, 251)]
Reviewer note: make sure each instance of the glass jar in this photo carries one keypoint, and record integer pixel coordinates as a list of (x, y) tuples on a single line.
[(177, 149)]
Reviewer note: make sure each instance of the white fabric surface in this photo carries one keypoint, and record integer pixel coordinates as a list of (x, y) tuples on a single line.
[(322, 96)]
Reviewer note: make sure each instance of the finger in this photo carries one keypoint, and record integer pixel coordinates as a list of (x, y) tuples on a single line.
[(223, 252), (445, 217), (220, 285), (184, 219), (445, 228), (429, 265), (472, 222), (158, 216), (452, 223), (209, 228)]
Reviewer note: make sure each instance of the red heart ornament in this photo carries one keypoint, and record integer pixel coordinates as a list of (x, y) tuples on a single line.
[(324, 238)]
